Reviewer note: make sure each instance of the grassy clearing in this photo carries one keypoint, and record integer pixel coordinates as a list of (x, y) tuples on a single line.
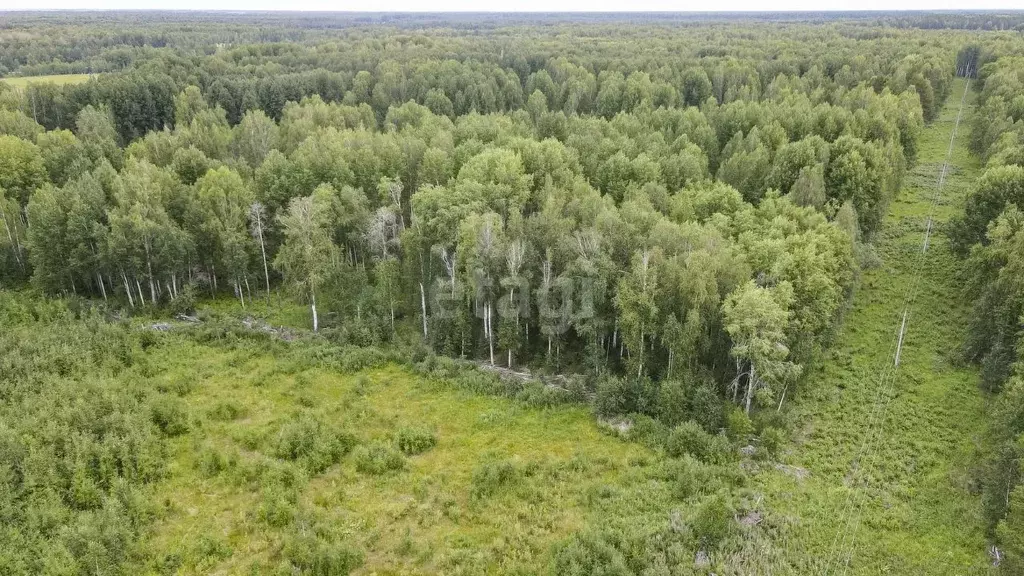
[(277, 310), (501, 485), (216, 448), (22, 82), (919, 514)]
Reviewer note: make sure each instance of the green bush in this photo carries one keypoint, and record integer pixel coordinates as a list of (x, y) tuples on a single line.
[(277, 507), (647, 431), (490, 477), (378, 458), (180, 386), (590, 554), (415, 440), (690, 438), (673, 402), (705, 404), (307, 440), (185, 302), (712, 522), (315, 555), (618, 396), (279, 493), (170, 416), (693, 478), (613, 397), (772, 440), (738, 425)]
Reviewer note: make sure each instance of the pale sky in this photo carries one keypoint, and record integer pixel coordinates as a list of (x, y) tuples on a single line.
[(515, 6)]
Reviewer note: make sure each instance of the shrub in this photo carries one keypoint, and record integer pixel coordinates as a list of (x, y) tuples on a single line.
[(613, 397), (148, 339), (277, 507), (307, 440), (673, 402), (616, 396), (185, 302), (712, 521), (692, 477), (690, 438), (772, 440), (353, 359), (705, 404), (181, 385), (210, 548), (478, 382), (170, 416), (738, 425), (490, 477), (543, 396), (586, 554), (279, 487), (361, 384), (378, 458), (415, 440), (647, 431), (315, 555)]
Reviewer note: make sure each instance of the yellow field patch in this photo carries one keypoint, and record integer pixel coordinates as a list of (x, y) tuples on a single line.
[(24, 81)]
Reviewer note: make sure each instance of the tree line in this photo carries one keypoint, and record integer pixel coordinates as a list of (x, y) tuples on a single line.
[(988, 237), (601, 74)]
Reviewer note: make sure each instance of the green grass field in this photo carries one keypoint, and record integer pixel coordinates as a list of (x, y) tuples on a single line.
[(427, 517), (23, 81), (909, 507)]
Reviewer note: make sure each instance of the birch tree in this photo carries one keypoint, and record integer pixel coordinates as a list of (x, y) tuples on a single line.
[(756, 319), (13, 229), (254, 137), (482, 243), (257, 228), (514, 302), (225, 201), (308, 255), (143, 240), (637, 305)]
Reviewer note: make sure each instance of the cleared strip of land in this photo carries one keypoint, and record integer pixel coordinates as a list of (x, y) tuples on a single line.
[(918, 514)]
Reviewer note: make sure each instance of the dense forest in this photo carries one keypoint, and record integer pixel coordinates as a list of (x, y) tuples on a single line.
[(668, 214), (986, 236)]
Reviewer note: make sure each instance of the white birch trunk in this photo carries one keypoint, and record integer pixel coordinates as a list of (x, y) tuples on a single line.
[(128, 290), (423, 308), (103, 289), (490, 333), (316, 320), (149, 267), (750, 388)]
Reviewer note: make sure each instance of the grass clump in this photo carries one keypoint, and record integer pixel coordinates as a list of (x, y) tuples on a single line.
[(490, 477), (378, 458), (170, 416), (306, 440), (211, 462), (227, 411), (315, 554), (412, 441), (691, 477)]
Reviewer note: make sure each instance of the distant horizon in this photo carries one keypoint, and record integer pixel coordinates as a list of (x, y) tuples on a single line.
[(508, 7), (528, 11)]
